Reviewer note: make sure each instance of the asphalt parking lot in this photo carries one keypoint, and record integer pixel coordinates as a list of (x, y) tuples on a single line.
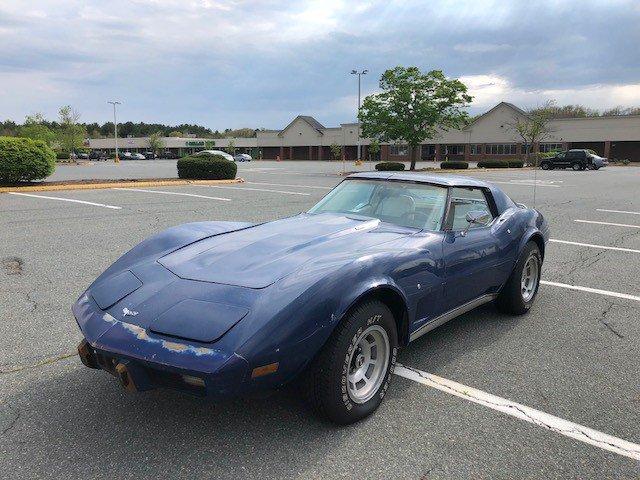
[(574, 356)]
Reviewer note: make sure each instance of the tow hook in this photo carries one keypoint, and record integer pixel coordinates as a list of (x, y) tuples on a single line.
[(87, 356), (126, 380)]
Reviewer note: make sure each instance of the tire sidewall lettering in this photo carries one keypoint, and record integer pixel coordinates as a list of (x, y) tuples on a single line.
[(346, 400)]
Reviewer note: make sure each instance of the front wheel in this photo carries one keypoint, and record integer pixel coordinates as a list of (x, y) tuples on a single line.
[(577, 166), (545, 166), (350, 376), (518, 294)]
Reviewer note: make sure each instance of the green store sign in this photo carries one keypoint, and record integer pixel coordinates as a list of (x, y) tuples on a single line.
[(200, 143)]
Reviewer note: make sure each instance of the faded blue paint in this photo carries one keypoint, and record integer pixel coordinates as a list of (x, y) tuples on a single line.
[(295, 278)]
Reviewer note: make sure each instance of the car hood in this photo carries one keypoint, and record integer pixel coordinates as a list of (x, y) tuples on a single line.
[(258, 256)]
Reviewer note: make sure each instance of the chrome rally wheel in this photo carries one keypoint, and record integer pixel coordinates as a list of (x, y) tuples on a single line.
[(368, 364), (530, 277)]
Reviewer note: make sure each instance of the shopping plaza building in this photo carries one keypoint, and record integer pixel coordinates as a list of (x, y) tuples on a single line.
[(490, 135)]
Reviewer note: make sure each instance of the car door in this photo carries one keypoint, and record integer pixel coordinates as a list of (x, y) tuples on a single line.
[(471, 252), (560, 160)]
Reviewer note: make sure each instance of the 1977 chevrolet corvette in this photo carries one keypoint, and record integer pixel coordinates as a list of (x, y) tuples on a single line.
[(325, 297)]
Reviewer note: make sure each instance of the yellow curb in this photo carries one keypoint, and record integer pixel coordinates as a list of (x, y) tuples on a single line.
[(103, 185)]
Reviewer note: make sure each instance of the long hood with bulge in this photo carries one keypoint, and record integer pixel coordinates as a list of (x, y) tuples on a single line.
[(258, 256)]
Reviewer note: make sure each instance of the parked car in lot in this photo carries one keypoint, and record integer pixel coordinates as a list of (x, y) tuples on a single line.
[(214, 152), (97, 155), (150, 155), (242, 157), (125, 155), (577, 159), (598, 162), (169, 155), (325, 298), (137, 156)]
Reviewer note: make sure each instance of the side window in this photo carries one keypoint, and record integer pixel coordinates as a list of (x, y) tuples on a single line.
[(464, 200)]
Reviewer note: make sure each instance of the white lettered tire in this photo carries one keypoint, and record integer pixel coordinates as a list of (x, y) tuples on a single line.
[(349, 378)]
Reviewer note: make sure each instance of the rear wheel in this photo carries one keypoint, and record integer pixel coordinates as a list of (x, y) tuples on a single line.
[(518, 294), (577, 166), (350, 376)]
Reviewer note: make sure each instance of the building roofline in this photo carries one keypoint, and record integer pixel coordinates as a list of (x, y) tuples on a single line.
[(312, 122)]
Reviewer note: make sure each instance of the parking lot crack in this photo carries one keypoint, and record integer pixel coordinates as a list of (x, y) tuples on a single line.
[(30, 299), (603, 320), (47, 361), (14, 415)]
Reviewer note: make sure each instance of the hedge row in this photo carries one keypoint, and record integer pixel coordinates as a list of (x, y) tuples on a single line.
[(207, 167), (454, 165), (25, 160), (500, 164), (390, 166)]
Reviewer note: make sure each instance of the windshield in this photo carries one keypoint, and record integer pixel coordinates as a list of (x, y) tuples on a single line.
[(406, 204)]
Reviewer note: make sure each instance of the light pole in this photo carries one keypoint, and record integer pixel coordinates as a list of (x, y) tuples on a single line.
[(356, 72), (115, 127)]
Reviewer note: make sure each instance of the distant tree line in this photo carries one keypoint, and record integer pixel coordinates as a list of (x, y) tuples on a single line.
[(67, 132), (580, 111)]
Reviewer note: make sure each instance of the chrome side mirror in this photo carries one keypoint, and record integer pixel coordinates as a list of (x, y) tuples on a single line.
[(477, 217)]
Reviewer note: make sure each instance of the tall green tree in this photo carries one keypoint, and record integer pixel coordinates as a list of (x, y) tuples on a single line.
[(533, 127), (336, 151), (414, 107), (34, 127), (231, 147), (374, 149), (71, 134), (155, 142)]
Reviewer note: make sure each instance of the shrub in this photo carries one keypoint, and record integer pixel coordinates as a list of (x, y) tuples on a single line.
[(454, 165), (62, 155), (24, 160), (207, 167), (493, 164), (389, 166), (516, 163)]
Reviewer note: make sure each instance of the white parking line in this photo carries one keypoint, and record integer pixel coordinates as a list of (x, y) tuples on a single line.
[(66, 200), (619, 249), (530, 184), (617, 211), (608, 293), (528, 414), (286, 192), (288, 185), (172, 193), (608, 223)]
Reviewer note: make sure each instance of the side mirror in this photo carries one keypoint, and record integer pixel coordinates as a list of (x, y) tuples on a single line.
[(477, 217)]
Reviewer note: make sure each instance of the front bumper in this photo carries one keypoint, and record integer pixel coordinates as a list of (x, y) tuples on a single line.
[(143, 361)]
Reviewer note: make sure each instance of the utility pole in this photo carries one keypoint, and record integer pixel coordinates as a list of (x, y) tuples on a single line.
[(115, 127), (356, 72)]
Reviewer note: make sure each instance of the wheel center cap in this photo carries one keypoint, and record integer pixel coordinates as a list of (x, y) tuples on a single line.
[(359, 361)]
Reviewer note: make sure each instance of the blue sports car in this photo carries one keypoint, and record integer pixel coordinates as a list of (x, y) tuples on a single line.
[(325, 298)]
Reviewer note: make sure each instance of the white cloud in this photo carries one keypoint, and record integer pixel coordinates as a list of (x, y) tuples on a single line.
[(481, 47), (488, 90)]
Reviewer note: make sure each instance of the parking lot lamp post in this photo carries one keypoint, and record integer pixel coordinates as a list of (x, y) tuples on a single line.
[(115, 128), (356, 72)]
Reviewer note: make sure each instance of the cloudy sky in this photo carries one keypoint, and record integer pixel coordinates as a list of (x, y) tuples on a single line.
[(236, 63)]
